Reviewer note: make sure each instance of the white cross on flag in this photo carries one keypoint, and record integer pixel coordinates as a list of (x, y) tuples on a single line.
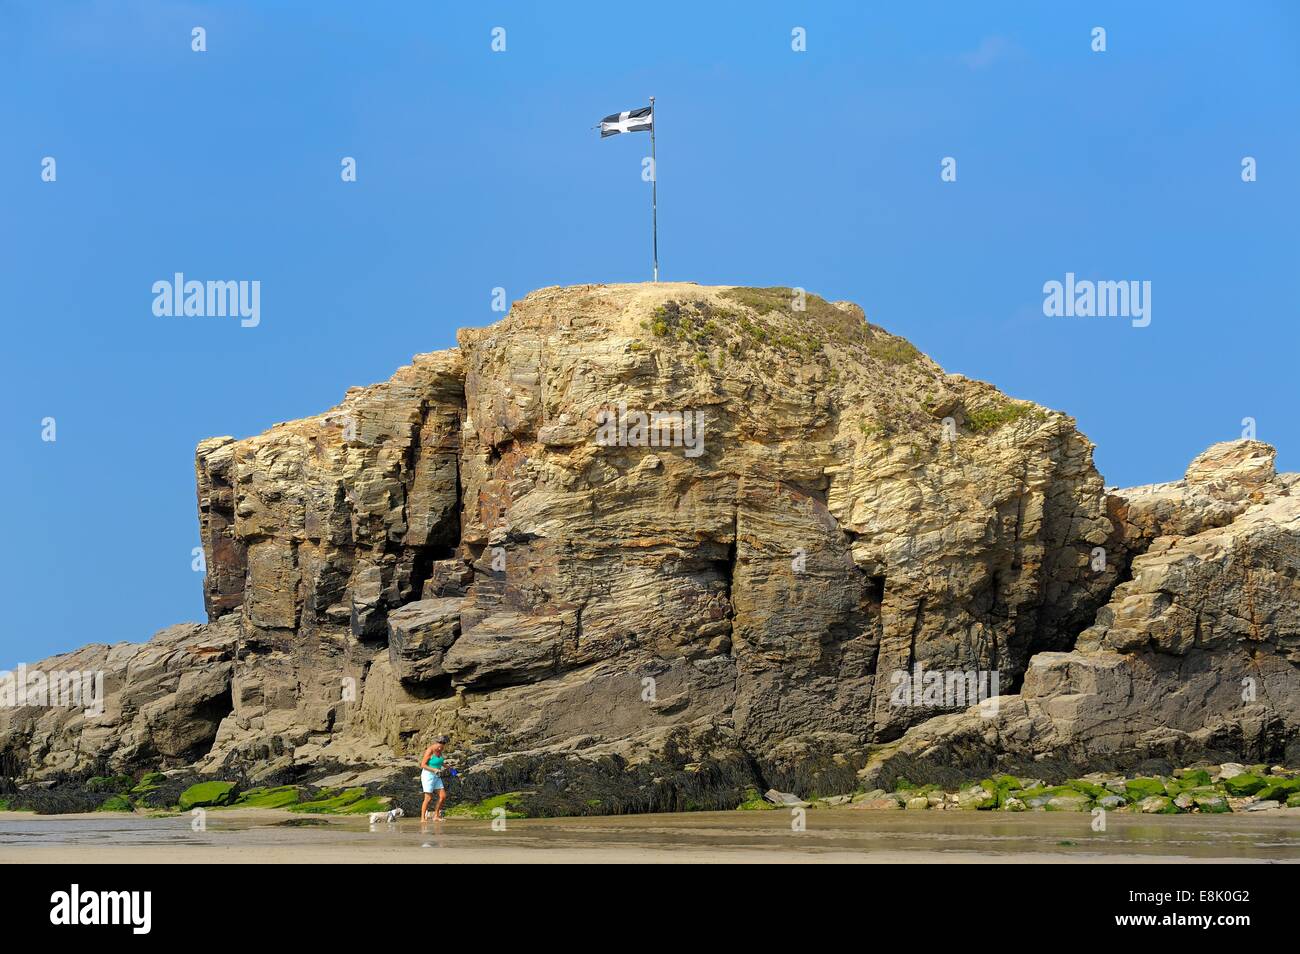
[(630, 120)]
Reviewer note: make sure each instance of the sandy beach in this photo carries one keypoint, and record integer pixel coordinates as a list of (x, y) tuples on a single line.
[(274, 836)]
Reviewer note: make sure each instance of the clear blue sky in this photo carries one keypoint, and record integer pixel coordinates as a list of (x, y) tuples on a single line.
[(480, 169)]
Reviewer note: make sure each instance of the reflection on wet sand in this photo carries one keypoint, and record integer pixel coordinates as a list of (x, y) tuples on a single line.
[(830, 835)]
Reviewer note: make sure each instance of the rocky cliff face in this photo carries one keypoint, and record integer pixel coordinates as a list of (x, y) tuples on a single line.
[(493, 545), (1196, 655)]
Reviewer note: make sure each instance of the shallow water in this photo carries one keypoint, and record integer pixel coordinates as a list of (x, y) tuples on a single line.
[(830, 835)]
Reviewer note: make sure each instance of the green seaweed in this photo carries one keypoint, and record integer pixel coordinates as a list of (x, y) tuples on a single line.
[(1090, 789), (1139, 788), (1240, 785), (348, 801), (208, 794), (109, 783), (149, 782), (280, 797), (485, 808), (116, 803), (754, 802), (1194, 778)]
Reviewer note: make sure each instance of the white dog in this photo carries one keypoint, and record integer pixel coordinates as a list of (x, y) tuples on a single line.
[(390, 817)]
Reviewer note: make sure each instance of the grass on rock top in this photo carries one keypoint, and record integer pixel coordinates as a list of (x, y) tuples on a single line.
[(836, 322), (990, 417), (770, 317)]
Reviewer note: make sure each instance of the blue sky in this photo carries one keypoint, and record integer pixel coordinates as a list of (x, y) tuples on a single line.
[(479, 169)]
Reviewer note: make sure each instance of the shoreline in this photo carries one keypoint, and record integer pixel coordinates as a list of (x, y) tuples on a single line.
[(341, 820), (241, 836)]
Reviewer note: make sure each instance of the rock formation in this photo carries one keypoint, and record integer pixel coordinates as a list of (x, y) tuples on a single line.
[(1197, 654), (490, 545)]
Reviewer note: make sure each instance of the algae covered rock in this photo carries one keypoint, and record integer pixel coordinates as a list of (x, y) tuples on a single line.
[(1157, 805), (281, 796), (977, 798), (753, 801), (1069, 803), (1091, 789), (149, 782), (1003, 786), (348, 801), (1242, 784), (1138, 789), (1278, 789), (116, 803), (506, 805), (109, 783), (1211, 804), (1040, 798), (208, 794)]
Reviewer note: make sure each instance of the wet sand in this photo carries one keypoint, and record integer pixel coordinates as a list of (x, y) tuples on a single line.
[(832, 835)]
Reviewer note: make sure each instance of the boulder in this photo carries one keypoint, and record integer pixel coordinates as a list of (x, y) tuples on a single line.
[(1068, 803), (1157, 805), (1211, 804), (1243, 784), (208, 794), (1262, 805), (419, 634)]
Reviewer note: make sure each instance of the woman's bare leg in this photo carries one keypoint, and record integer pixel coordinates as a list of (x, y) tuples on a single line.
[(424, 808), (442, 797)]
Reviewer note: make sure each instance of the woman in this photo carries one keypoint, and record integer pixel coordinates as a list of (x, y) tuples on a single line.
[(431, 768)]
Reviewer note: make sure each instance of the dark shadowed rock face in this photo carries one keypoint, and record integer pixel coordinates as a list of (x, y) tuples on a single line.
[(472, 548)]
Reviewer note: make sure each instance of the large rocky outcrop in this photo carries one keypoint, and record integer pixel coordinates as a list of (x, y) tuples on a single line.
[(470, 548), (156, 703), (1196, 655)]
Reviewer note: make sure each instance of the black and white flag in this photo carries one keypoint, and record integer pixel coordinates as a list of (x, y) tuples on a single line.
[(631, 120)]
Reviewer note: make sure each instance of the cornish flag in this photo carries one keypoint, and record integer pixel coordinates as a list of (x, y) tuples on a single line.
[(631, 120)]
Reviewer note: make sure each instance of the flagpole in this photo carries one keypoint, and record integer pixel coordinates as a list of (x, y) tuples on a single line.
[(654, 191)]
